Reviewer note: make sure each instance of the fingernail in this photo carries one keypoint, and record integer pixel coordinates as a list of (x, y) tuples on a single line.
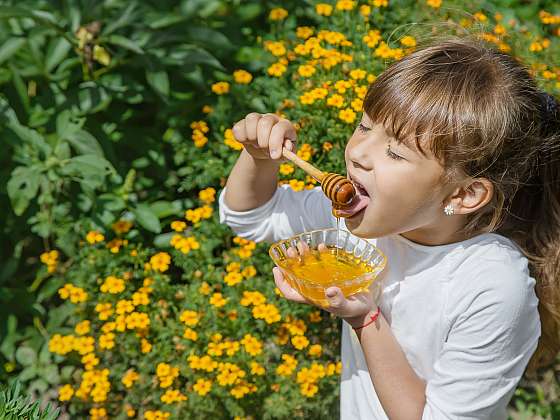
[(331, 293), (273, 153)]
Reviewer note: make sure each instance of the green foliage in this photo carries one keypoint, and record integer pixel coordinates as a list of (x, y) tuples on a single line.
[(13, 406), (103, 114)]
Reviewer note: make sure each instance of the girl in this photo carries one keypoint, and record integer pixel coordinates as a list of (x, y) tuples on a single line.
[(456, 160)]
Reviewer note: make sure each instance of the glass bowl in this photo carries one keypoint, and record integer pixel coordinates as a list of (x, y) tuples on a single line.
[(316, 260)]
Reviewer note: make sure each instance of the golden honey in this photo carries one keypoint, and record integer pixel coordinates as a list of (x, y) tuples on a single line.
[(325, 268)]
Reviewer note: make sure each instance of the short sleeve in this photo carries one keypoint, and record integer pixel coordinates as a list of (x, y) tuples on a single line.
[(494, 329), (287, 213)]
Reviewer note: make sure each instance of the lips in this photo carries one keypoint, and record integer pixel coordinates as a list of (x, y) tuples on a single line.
[(359, 202)]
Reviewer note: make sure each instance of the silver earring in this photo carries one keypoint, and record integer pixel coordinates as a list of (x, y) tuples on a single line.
[(449, 210)]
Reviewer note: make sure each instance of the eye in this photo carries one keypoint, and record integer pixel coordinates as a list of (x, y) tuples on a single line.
[(392, 155), (363, 128)]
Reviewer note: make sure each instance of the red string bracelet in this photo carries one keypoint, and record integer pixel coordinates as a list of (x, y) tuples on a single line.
[(372, 319)]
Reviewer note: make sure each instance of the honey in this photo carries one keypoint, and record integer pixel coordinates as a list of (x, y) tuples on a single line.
[(325, 268)]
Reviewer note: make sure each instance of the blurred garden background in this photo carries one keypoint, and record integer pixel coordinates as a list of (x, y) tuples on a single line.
[(121, 295)]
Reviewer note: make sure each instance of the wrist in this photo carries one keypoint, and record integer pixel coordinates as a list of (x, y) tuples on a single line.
[(361, 320)]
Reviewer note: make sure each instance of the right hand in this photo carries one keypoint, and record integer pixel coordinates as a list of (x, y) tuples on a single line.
[(264, 135)]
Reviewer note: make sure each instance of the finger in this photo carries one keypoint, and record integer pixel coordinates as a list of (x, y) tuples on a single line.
[(251, 121), (335, 297), (322, 247), (302, 247), (291, 252), (264, 127), (281, 135), (284, 287), (239, 131)]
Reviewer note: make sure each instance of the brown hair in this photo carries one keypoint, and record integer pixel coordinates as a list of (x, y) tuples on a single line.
[(482, 115)]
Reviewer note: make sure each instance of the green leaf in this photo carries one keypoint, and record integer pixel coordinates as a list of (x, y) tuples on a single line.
[(91, 168), (125, 18), (26, 356), (163, 240), (121, 41), (147, 218), (10, 47), (159, 80), (84, 143), (22, 187), (166, 20), (57, 51), (209, 37), (164, 209)]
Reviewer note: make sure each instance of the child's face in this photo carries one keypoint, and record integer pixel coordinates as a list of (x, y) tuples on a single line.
[(405, 188)]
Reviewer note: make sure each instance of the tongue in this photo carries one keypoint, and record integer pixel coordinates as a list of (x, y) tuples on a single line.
[(359, 202)]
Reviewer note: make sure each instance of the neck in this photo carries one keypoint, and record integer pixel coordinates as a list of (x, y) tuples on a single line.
[(441, 233)]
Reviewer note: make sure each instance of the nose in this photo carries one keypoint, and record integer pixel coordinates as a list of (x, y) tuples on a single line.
[(360, 154)]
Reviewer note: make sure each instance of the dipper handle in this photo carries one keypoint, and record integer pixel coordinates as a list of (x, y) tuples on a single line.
[(336, 187), (306, 166)]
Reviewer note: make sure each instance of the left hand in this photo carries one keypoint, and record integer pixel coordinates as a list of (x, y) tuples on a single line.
[(354, 307)]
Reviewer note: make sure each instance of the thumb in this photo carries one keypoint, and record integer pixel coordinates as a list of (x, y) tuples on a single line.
[(335, 297)]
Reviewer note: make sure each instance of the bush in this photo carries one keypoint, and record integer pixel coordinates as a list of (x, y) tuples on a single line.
[(174, 316)]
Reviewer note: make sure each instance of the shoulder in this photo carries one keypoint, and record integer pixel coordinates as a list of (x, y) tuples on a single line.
[(491, 273)]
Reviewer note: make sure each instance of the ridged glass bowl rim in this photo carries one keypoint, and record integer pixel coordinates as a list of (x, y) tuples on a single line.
[(378, 269)]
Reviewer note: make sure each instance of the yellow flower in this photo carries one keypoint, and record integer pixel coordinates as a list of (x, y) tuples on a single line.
[(129, 378), (249, 272), (233, 278), (156, 415), (218, 300), (242, 77), (323, 9), (315, 316), (268, 312), (160, 261), (105, 310), (50, 259), (252, 345), (286, 169), (178, 225), (146, 347), (372, 38), (189, 318), (94, 236), (315, 350), (304, 32), (300, 342), (201, 126), (434, 3), (288, 365), (276, 69), (199, 138), (380, 3), (229, 140), (257, 369), (335, 101), (112, 285), (65, 392), (202, 387), (204, 289), (365, 10), (480, 17), (82, 328), (347, 115), (278, 14), (345, 5), (122, 226), (207, 109), (358, 74), (171, 396), (306, 70), (220, 88), (98, 413), (408, 41), (107, 341), (207, 195), (190, 334)]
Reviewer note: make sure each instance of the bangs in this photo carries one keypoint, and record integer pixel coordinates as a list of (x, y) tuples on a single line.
[(432, 102)]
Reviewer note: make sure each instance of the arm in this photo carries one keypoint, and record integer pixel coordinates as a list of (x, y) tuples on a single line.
[(251, 183), (401, 392)]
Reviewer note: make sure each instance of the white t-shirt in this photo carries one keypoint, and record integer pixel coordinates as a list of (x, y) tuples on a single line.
[(465, 314)]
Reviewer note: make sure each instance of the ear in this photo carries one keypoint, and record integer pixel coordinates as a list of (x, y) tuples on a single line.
[(472, 196)]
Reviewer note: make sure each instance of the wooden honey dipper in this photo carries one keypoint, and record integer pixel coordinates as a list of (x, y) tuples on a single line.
[(336, 187)]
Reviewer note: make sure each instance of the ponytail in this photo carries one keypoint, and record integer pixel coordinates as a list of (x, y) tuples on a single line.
[(535, 212)]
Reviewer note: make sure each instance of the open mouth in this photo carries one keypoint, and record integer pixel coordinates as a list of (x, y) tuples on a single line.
[(358, 203)]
